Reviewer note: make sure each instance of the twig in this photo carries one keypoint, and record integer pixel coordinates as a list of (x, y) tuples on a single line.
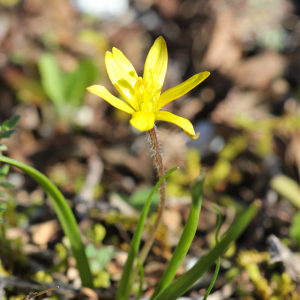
[(31, 296)]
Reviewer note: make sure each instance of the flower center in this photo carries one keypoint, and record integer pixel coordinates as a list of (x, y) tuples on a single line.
[(146, 93)]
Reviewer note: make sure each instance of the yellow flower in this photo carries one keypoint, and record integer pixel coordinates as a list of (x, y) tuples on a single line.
[(144, 100)]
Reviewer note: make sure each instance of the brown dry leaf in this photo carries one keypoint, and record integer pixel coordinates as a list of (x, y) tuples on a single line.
[(89, 293), (223, 52), (172, 219), (114, 270), (63, 23), (154, 267), (234, 31), (42, 233), (118, 156), (239, 102), (15, 233), (259, 71)]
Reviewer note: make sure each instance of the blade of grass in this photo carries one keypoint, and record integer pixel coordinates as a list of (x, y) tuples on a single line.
[(186, 281), (125, 283), (65, 217), (142, 275), (219, 223), (214, 279), (186, 237)]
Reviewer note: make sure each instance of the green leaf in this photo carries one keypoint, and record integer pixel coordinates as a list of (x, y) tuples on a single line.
[(4, 170), (75, 84), (186, 281), (124, 286), (214, 278), (142, 276), (7, 134), (294, 229), (287, 188), (65, 216), (219, 223), (52, 80), (186, 237), (7, 185), (8, 124)]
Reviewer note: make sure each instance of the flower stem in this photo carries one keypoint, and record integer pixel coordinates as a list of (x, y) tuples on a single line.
[(161, 172), (149, 242)]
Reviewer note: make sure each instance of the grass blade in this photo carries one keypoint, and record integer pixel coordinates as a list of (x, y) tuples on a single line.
[(142, 276), (186, 237), (186, 281), (65, 217), (219, 223), (125, 286)]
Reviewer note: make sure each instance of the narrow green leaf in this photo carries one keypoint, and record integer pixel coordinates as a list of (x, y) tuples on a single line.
[(7, 185), (8, 124), (186, 281), (4, 170), (214, 279), (52, 79), (186, 237), (65, 217), (7, 134), (219, 223), (142, 276), (124, 286)]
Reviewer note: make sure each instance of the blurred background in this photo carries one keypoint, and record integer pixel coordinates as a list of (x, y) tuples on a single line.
[(247, 111)]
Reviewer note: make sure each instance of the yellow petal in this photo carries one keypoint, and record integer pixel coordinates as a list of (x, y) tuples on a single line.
[(106, 95), (121, 78), (180, 89), (125, 65), (157, 61), (185, 124), (143, 121)]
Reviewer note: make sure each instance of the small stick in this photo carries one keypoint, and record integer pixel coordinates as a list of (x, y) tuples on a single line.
[(29, 297)]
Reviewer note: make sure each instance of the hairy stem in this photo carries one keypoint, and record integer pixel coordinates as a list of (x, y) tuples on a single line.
[(161, 172)]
